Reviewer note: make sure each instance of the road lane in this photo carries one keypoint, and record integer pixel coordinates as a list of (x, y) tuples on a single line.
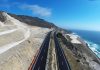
[(42, 56), (62, 61)]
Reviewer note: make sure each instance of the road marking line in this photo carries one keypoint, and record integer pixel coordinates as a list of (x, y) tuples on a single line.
[(39, 68), (62, 62), (41, 57), (44, 50)]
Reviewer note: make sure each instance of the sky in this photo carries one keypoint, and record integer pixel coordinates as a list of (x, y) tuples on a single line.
[(68, 14)]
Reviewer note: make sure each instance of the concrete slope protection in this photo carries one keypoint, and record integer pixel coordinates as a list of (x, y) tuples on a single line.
[(61, 58), (42, 55)]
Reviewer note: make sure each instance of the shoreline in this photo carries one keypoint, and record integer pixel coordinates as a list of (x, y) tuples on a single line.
[(93, 48), (91, 45)]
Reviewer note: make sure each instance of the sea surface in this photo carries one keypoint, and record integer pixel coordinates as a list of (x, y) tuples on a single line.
[(92, 38)]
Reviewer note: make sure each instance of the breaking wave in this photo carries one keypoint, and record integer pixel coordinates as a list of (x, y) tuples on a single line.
[(94, 47)]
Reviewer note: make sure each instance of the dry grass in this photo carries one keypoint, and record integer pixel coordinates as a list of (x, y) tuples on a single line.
[(52, 64), (74, 62)]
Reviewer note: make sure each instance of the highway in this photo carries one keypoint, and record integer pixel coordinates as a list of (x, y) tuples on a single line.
[(40, 62), (61, 58), (42, 55)]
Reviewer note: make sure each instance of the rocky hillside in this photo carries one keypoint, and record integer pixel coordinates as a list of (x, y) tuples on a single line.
[(19, 42), (35, 21), (21, 37)]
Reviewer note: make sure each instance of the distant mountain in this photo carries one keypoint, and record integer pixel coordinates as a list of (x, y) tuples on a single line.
[(35, 21)]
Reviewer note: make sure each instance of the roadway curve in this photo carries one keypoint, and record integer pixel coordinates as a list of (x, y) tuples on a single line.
[(61, 58)]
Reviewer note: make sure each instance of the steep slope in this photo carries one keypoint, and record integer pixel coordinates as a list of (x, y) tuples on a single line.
[(35, 21), (19, 42)]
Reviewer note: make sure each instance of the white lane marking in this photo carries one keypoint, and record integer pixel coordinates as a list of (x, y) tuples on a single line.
[(40, 50), (64, 57), (38, 68), (41, 58), (44, 50), (62, 62)]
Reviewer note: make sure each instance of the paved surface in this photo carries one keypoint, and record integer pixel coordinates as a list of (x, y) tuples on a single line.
[(42, 56), (62, 61)]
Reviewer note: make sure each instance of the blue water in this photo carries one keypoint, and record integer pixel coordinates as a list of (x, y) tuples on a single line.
[(92, 38)]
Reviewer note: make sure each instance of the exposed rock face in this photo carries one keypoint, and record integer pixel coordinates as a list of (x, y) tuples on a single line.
[(2, 18)]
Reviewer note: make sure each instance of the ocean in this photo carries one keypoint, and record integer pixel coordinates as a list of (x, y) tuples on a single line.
[(92, 38)]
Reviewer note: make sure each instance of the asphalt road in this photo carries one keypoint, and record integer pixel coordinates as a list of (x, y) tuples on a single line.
[(62, 61), (42, 56)]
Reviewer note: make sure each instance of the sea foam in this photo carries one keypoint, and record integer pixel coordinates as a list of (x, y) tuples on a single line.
[(94, 47)]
